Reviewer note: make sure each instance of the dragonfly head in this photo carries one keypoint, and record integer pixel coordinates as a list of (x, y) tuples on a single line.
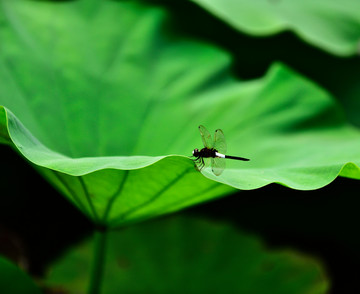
[(196, 152)]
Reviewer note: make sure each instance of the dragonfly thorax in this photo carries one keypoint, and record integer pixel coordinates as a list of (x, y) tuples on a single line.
[(205, 152)]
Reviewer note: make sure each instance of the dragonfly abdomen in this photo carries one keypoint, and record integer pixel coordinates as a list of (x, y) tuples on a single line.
[(237, 158)]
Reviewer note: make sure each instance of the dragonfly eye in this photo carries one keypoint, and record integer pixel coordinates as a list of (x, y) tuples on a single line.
[(195, 152)]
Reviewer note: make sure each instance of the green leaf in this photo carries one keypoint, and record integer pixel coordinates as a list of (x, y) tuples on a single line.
[(109, 113), (329, 24), (189, 255), (96, 100), (13, 280)]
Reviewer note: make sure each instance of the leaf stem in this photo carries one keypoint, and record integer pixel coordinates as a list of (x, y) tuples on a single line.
[(97, 271)]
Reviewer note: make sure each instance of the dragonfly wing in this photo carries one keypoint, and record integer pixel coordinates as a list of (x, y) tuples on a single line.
[(206, 137), (218, 165), (219, 142), (200, 166), (207, 162)]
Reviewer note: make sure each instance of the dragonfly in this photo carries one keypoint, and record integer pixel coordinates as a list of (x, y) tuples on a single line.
[(214, 150)]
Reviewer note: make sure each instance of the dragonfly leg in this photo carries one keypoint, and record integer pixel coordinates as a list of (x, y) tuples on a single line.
[(197, 162), (202, 163)]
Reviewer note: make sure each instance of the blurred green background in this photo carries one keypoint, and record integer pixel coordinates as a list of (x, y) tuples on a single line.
[(37, 225)]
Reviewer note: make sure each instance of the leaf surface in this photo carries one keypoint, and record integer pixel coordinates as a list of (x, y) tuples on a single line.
[(13, 280), (328, 24), (109, 113), (157, 257)]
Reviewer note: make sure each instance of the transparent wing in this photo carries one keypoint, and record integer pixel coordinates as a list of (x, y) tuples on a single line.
[(207, 162), (199, 166), (219, 142), (206, 137), (218, 165)]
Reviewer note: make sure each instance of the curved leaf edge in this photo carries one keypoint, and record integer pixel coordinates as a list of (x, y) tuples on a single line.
[(282, 27), (348, 170), (9, 123), (41, 156)]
